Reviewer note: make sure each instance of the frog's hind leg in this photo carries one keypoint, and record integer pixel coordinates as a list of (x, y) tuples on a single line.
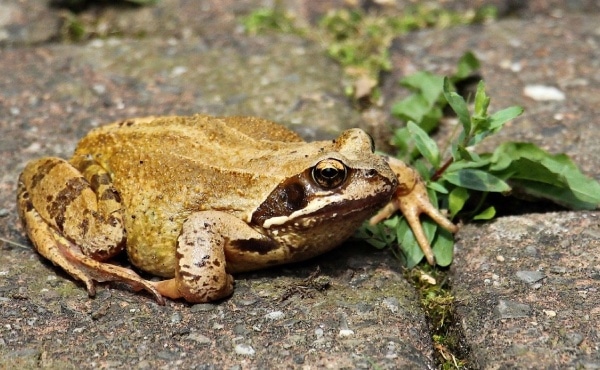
[(79, 203), (69, 257), (71, 226)]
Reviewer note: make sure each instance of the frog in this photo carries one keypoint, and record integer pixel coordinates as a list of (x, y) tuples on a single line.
[(193, 200)]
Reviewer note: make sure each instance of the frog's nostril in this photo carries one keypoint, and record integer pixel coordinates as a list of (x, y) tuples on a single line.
[(370, 173)]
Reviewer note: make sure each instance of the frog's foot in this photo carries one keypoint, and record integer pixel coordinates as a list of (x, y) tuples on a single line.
[(67, 255), (200, 275), (93, 270), (201, 290), (412, 200), (177, 288)]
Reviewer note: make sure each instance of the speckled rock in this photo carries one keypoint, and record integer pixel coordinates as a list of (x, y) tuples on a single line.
[(508, 322), (27, 22), (53, 94)]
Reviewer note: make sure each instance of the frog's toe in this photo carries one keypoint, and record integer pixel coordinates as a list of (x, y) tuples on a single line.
[(384, 213), (68, 256), (70, 265), (56, 248), (200, 290), (88, 270), (103, 272)]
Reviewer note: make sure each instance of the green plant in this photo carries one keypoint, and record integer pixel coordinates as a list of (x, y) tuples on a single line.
[(79, 25), (458, 178), (73, 29), (461, 180), (426, 104), (360, 40), (270, 19)]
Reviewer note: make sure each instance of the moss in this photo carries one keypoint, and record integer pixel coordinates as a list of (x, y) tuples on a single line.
[(360, 40), (451, 352)]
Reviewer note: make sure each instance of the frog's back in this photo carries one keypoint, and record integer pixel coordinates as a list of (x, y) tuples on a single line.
[(197, 157), (197, 125)]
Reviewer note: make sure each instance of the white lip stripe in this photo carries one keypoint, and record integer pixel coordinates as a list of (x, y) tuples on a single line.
[(312, 207)]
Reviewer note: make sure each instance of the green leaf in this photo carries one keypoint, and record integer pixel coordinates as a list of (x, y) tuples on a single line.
[(486, 214), (498, 119), (443, 247), (560, 195), (476, 180), (409, 246), (467, 64), (425, 144), (436, 186), (431, 120), (403, 143), (463, 154), (458, 165), (479, 124), (457, 199), (423, 169), (459, 106), (539, 173), (428, 84), (412, 108), (377, 235), (482, 101), (482, 134)]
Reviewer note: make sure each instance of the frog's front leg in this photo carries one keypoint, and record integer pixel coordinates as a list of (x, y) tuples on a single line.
[(73, 217), (209, 240), (411, 199)]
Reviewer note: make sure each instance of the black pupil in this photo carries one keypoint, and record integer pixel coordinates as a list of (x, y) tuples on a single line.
[(330, 173)]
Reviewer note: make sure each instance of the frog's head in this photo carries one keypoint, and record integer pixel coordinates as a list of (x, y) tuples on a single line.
[(340, 185)]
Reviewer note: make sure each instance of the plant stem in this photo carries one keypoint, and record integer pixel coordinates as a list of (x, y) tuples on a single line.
[(440, 171)]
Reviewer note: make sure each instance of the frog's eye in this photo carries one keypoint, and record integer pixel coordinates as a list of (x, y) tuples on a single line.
[(329, 173)]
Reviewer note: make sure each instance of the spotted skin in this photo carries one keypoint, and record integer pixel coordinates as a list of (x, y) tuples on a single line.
[(76, 242), (196, 199)]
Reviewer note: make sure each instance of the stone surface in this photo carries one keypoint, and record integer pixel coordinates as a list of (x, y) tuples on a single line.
[(27, 22), (272, 318), (53, 94), (510, 323)]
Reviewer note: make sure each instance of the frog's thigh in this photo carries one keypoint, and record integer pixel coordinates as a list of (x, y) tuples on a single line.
[(58, 183), (201, 275), (85, 210), (46, 240), (67, 255)]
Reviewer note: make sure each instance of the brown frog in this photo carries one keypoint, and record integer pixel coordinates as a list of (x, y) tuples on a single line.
[(194, 199)]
